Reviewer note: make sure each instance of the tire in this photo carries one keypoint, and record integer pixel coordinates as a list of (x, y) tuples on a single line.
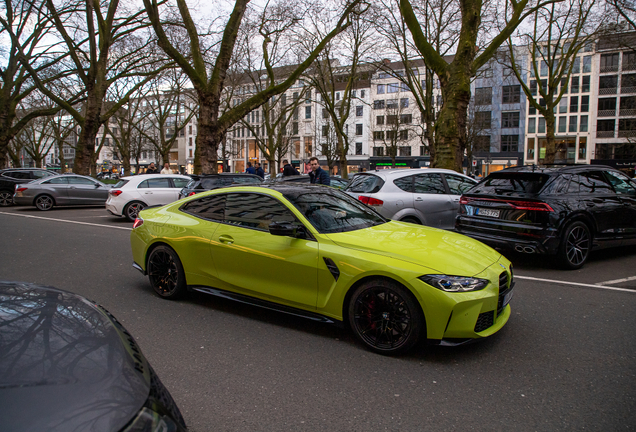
[(411, 219), (6, 198), (385, 317), (165, 273), (44, 202), (575, 246), (132, 209)]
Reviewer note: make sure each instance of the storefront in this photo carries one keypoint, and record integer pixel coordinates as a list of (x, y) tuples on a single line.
[(377, 163)]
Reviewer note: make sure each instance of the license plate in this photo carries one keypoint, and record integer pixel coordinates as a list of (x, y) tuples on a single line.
[(507, 298), (487, 212)]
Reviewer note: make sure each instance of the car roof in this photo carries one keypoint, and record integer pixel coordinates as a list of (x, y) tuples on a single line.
[(554, 169), (408, 171), (142, 177)]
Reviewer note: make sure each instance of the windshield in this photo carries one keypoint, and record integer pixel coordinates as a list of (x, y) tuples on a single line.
[(365, 183), (498, 183), (330, 213)]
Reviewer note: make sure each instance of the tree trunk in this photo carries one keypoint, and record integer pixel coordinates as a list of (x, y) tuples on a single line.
[(4, 145), (208, 137), (342, 155), (85, 149), (550, 145)]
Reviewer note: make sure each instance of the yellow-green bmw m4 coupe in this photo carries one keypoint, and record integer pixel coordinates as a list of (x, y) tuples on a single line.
[(316, 252)]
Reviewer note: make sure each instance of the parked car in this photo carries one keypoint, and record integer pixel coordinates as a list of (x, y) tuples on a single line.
[(107, 175), (564, 211), (12, 176), (61, 190), (336, 181), (205, 182), (422, 196), (67, 364), (316, 252), (132, 194)]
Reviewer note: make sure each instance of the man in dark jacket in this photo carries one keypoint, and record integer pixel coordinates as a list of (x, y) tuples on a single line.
[(288, 169), (259, 171), (250, 169), (152, 169), (317, 174)]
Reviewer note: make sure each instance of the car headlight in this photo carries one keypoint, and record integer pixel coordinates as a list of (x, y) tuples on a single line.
[(454, 283)]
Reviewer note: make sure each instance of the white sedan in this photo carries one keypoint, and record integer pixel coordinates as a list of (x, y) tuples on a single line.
[(133, 194)]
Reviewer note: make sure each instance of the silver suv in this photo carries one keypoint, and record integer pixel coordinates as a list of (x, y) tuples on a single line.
[(422, 196)]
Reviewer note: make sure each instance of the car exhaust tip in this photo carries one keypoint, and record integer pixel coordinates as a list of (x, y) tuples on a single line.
[(525, 249)]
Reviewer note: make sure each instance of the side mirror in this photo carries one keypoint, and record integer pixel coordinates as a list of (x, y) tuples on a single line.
[(96, 185), (286, 229)]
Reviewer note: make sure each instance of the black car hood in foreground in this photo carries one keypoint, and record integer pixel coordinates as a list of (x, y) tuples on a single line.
[(65, 363)]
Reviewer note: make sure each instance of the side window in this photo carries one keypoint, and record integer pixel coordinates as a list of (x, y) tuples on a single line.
[(255, 211), (622, 184), (57, 180), (39, 174), (458, 185), (21, 175), (429, 184), (155, 183), (180, 183), (595, 183), (575, 184), (210, 207), (404, 183), (80, 181), (558, 185)]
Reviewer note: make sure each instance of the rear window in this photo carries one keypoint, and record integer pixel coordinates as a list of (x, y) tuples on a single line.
[(365, 183), (120, 183), (520, 182)]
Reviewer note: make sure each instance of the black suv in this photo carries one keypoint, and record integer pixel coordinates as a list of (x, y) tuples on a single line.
[(12, 176), (564, 211), (206, 182)]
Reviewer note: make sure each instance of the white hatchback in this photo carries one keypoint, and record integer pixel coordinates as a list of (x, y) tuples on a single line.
[(133, 194)]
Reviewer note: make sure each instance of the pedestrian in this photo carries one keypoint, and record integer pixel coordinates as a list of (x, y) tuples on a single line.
[(288, 169), (250, 169), (166, 169), (259, 171), (152, 169), (317, 174)]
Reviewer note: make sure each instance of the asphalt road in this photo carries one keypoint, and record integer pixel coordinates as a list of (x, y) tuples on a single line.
[(565, 361)]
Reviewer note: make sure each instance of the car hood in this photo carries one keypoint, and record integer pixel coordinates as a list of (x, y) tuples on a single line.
[(444, 252), (65, 365)]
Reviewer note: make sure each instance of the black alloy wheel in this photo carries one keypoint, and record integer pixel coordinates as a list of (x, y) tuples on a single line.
[(132, 209), (6, 198), (575, 246), (44, 202), (385, 317), (166, 273)]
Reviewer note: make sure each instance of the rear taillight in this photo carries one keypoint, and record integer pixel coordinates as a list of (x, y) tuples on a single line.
[(138, 222), (192, 193), (517, 205), (370, 200), (20, 189), (115, 192)]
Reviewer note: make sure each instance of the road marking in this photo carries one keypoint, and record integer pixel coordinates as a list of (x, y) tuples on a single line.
[(615, 281), (69, 221), (574, 283)]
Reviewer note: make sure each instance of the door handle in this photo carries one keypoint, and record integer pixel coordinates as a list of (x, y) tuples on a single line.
[(226, 239), (148, 193), (418, 199)]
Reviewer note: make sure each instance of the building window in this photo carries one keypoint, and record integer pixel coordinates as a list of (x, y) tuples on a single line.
[(583, 124), (391, 119), (325, 113), (541, 128), (404, 135), (629, 61), (483, 119), (359, 129), (510, 119), (404, 103), (544, 68), (563, 105), (190, 141), (483, 96), (325, 130), (190, 153), (530, 149), (574, 104), (574, 88), (358, 148), (380, 89), (406, 118), (423, 151), (562, 124), (533, 87), (582, 148), (509, 143), (405, 151), (572, 127), (307, 112), (585, 103), (532, 125), (585, 87), (577, 65), (511, 94), (609, 62), (378, 151), (587, 64), (378, 135), (378, 104), (379, 120), (359, 111), (391, 104), (393, 87), (482, 143), (361, 93)]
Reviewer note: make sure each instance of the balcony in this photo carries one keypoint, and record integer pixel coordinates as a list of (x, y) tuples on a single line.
[(607, 91), (628, 90), (629, 66), (607, 113), (626, 133), (604, 134), (627, 112), (609, 68)]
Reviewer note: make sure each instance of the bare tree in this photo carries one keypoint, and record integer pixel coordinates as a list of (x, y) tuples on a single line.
[(455, 77), (328, 143), (37, 140), (64, 133), (394, 129), (209, 79), (559, 33), (105, 43), (478, 130), (25, 28), (626, 10)]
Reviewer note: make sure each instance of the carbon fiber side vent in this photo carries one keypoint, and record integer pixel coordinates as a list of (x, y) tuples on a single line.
[(333, 268)]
